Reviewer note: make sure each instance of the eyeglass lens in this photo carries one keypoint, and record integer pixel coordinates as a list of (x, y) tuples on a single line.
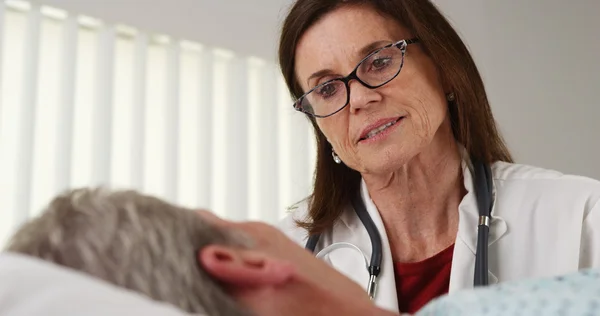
[(375, 71)]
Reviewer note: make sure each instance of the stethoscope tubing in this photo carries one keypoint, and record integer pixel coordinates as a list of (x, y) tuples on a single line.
[(483, 184)]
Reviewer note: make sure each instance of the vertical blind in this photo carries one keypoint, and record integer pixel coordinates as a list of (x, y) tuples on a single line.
[(88, 103)]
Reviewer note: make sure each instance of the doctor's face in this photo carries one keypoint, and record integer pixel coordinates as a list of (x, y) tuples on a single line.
[(380, 129)]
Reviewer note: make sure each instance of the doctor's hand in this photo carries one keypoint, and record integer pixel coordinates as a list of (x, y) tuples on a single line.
[(278, 277)]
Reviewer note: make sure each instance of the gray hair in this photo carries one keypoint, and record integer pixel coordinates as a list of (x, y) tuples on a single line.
[(134, 241)]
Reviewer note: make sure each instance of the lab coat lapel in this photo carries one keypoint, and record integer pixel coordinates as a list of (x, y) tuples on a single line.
[(351, 230), (386, 296), (463, 262)]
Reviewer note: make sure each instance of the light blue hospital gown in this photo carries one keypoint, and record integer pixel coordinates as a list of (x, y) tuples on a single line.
[(576, 294)]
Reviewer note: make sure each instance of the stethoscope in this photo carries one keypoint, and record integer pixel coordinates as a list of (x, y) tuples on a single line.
[(482, 183)]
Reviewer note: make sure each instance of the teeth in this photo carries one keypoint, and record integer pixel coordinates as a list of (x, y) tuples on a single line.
[(380, 129)]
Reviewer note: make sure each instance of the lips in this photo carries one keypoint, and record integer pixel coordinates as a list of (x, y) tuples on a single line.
[(378, 127)]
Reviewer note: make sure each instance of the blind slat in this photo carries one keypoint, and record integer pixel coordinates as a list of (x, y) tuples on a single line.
[(6, 220), (27, 117), (220, 132), (255, 117), (2, 12), (68, 64), (269, 192), (205, 127), (102, 117), (172, 120), (139, 110), (237, 144)]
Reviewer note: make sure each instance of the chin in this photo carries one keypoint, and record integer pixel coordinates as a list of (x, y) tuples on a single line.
[(382, 168), (384, 165), (388, 160)]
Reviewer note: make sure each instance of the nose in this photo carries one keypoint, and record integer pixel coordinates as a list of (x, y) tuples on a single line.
[(361, 97)]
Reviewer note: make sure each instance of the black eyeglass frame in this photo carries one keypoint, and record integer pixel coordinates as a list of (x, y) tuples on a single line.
[(402, 45)]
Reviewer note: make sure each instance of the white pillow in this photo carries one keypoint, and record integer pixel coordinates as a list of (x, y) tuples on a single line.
[(30, 286)]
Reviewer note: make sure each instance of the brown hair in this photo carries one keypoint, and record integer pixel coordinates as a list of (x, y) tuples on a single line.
[(133, 241), (471, 117)]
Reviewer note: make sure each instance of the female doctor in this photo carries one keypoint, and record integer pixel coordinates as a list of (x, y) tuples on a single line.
[(415, 192)]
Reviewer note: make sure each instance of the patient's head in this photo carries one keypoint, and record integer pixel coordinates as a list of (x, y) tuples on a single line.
[(149, 246), (133, 241)]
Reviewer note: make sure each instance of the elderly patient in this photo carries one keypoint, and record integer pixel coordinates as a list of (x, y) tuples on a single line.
[(133, 241), (147, 245)]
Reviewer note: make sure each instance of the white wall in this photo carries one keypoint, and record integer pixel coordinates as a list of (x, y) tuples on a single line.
[(539, 59)]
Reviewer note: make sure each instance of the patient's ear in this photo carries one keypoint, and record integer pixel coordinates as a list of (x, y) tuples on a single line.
[(240, 267)]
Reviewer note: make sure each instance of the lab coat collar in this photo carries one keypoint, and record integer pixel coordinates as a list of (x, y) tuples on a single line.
[(466, 242), (468, 212)]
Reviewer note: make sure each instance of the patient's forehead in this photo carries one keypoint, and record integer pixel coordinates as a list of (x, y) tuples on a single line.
[(211, 217)]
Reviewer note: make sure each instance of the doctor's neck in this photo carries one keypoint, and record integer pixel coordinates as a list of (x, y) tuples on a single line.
[(418, 203)]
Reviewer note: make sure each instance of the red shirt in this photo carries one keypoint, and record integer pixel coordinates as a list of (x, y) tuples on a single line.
[(419, 282)]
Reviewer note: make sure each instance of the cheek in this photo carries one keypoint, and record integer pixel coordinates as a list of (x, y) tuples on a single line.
[(335, 129), (427, 105), (426, 114)]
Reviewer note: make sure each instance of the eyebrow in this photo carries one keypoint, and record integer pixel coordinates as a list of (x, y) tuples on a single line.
[(373, 46), (363, 52)]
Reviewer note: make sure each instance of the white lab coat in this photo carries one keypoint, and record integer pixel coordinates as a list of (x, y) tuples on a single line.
[(544, 223)]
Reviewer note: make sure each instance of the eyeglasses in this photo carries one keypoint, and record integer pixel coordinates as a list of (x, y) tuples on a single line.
[(374, 71)]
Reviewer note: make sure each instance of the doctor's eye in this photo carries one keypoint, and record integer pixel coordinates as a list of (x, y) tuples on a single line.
[(381, 63), (328, 89)]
